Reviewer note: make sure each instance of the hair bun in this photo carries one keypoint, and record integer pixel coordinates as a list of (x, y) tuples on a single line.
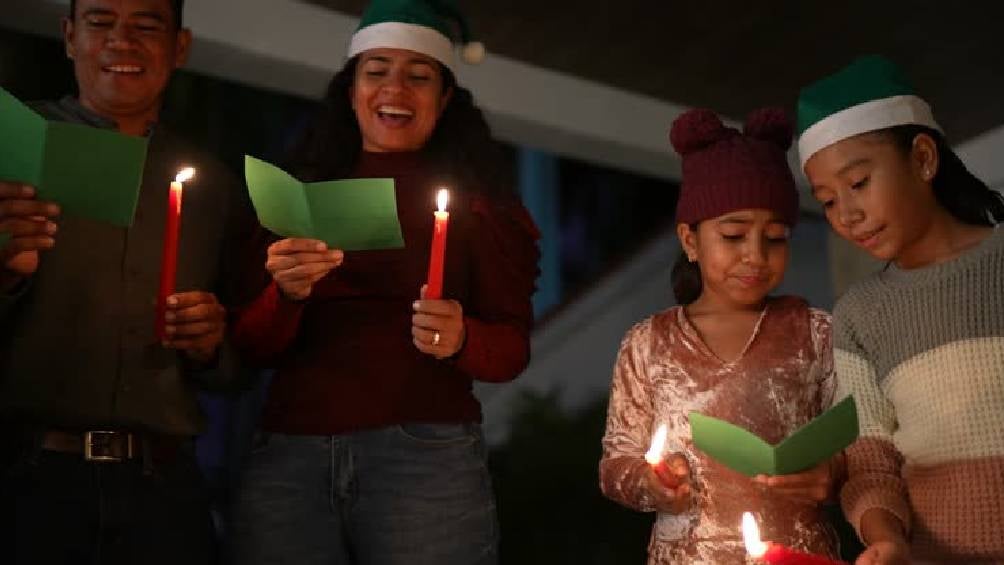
[(770, 124), (696, 129)]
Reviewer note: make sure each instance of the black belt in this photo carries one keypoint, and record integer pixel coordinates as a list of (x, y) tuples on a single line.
[(111, 446)]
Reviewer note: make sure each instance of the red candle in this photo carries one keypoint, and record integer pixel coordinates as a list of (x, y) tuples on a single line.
[(776, 554), (434, 285), (169, 256), (654, 457)]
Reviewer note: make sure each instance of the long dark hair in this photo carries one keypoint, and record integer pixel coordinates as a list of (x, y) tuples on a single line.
[(461, 147), (959, 191), (686, 278)]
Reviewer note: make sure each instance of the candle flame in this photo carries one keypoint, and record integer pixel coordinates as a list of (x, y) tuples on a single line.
[(751, 536), (185, 175), (654, 454), (442, 197)]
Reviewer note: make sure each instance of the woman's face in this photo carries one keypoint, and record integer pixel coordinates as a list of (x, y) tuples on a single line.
[(742, 255), (397, 96), (873, 195)]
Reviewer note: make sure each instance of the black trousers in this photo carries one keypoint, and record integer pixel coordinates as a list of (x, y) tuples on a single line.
[(60, 509)]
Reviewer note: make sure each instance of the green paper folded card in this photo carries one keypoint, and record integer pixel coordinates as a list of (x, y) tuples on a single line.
[(350, 214), (90, 172), (813, 443)]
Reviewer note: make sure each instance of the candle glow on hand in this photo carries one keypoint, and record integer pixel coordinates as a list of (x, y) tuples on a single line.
[(751, 536), (654, 455)]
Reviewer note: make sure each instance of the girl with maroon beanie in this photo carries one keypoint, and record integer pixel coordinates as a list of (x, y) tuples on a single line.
[(729, 350)]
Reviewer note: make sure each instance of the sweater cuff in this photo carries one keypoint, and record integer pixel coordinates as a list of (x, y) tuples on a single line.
[(857, 500)]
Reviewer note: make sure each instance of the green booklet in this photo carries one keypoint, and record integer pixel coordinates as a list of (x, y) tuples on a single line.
[(813, 443), (351, 214), (90, 172)]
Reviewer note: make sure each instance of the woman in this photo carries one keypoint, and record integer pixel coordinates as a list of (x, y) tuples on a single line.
[(374, 452)]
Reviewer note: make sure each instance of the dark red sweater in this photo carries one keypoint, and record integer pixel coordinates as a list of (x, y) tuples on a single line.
[(345, 358)]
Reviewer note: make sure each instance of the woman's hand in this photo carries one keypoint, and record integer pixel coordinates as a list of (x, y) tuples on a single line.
[(669, 484), (437, 326), (815, 486), (297, 264)]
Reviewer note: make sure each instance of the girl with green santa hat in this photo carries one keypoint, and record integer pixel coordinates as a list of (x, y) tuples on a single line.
[(919, 344), (374, 451)]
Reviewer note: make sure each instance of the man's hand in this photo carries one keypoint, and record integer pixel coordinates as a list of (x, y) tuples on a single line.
[(194, 324), (28, 227)]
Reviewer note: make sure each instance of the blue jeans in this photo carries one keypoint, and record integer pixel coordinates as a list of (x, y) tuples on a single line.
[(416, 494)]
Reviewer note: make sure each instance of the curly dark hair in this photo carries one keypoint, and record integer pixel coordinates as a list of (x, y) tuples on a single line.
[(177, 5), (461, 146)]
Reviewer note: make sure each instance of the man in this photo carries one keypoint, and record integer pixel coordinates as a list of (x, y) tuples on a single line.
[(96, 453)]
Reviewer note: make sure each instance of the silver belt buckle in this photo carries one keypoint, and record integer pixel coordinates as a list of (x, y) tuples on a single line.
[(89, 454)]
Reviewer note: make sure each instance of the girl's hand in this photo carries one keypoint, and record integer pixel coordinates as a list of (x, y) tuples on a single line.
[(669, 484), (885, 553), (815, 486)]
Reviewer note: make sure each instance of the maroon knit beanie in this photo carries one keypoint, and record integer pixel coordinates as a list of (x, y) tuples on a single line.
[(724, 170)]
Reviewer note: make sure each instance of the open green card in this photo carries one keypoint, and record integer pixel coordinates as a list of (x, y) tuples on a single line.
[(813, 443), (350, 214), (89, 172)]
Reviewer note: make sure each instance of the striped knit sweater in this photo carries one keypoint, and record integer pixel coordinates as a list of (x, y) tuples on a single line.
[(922, 351)]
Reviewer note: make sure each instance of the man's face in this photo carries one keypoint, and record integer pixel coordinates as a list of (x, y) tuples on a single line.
[(124, 52)]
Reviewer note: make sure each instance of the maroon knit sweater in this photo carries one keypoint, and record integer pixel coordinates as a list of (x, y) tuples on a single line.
[(345, 358)]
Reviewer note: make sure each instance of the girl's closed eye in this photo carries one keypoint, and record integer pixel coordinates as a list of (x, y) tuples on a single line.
[(858, 185)]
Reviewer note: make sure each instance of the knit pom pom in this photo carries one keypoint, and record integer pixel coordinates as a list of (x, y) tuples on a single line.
[(696, 129), (473, 53), (770, 124)]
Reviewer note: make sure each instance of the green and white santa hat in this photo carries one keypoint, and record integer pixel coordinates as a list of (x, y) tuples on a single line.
[(430, 27), (870, 94)]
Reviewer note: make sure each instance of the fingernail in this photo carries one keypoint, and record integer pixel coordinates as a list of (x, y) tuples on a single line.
[(172, 301), (321, 246), (27, 191), (50, 227), (52, 209), (415, 305)]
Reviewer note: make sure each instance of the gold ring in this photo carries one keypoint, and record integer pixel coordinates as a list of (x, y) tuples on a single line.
[(435, 338)]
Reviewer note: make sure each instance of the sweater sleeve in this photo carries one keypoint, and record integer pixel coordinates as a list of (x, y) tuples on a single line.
[(873, 462), (629, 425), (264, 327), (821, 329), (499, 315)]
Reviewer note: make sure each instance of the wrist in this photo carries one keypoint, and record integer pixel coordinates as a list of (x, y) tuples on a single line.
[(287, 297), (463, 342), (880, 525)]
